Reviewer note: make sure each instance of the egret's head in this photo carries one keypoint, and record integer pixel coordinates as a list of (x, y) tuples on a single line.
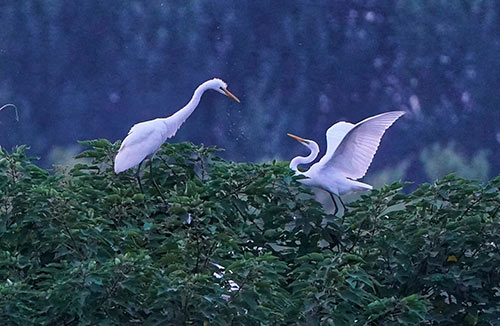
[(221, 87), (306, 142)]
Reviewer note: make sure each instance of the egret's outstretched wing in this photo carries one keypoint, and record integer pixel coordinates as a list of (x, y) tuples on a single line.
[(354, 154), (334, 136)]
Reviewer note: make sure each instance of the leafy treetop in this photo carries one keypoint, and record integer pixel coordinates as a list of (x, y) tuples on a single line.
[(238, 244)]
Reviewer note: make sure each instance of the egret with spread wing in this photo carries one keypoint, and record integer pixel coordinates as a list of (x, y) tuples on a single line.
[(145, 138), (350, 151)]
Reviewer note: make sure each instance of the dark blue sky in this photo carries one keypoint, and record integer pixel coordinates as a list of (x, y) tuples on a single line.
[(91, 70)]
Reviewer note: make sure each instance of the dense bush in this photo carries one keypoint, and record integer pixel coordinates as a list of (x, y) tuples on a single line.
[(238, 244)]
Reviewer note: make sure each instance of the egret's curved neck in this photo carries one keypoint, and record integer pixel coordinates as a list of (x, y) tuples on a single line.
[(314, 148), (188, 109)]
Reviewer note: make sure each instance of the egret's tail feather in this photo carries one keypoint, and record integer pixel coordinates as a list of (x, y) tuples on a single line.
[(124, 160), (355, 186)]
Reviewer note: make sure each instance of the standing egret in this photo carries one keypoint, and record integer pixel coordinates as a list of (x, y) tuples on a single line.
[(350, 151), (145, 138)]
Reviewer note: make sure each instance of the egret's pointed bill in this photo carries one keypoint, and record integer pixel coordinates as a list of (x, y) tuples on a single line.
[(231, 95), (300, 139)]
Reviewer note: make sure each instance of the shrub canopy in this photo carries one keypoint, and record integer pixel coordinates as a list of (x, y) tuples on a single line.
[(238, 244)]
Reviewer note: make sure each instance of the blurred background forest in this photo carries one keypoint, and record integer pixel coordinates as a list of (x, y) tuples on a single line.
[(91, 69)]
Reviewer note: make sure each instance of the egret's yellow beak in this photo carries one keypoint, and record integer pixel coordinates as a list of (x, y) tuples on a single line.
[(231, 95), (300, 139)]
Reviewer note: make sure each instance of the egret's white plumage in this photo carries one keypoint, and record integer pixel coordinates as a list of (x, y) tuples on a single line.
[(350, 151), (146, 137)]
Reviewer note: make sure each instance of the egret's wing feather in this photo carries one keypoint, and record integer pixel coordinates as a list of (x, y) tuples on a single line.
[(142, 132), (354, 154), (169, 125), (143, 139), (175, 121), (334, 136)]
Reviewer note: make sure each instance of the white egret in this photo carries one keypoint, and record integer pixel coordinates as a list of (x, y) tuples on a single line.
[(145, 138), (350, 151)]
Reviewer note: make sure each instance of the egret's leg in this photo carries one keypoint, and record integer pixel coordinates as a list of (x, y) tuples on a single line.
[(153, 180), (343, 205), (334, 203), (138, 176)]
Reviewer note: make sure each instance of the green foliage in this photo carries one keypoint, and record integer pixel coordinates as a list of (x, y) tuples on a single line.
[(238, 244)]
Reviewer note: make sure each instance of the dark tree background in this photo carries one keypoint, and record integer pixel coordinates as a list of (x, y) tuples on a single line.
[(82, 70)]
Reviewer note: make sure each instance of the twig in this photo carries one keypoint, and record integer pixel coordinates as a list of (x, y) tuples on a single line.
[(13, 106), (197, 253), (168, 166), (251, 220), (470, 206), (239, 288), (209, 253), (357, 236), (75, 247), (202, 166), (235, 191), (496, 211)]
